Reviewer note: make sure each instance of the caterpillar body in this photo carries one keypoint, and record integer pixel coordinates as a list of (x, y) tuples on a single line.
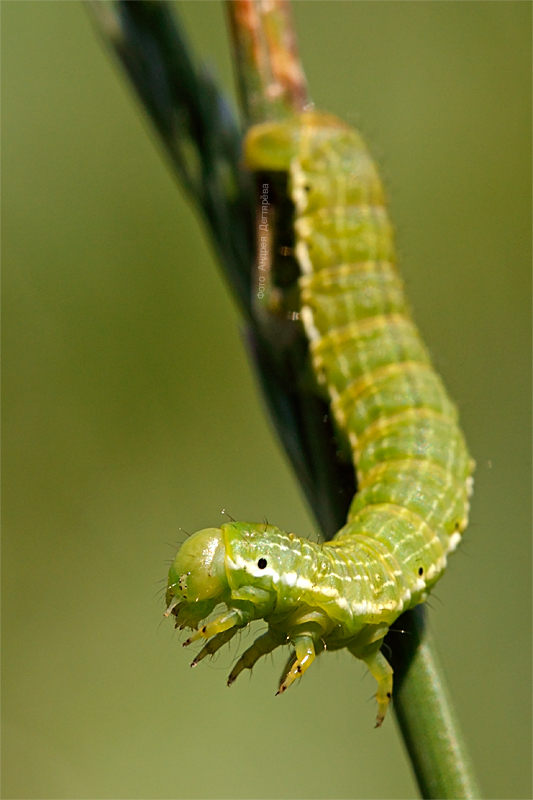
[(389, 405)]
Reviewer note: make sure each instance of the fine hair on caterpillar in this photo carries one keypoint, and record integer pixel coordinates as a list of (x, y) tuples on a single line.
[(390, 411)]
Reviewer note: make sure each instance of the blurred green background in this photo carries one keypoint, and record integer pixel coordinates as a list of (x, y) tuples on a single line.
[(130, 410)]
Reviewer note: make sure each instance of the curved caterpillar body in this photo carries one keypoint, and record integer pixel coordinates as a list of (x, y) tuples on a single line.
[(412, 464)]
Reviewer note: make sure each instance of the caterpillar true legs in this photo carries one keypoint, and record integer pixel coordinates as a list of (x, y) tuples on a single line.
[(389, 406)]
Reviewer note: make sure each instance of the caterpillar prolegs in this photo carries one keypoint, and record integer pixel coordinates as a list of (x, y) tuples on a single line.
[(389, 404)]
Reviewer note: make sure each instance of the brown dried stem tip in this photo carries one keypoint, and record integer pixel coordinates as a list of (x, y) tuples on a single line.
[(270, 76)]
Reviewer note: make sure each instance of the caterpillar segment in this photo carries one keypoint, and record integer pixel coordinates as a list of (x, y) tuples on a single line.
[(389, 405)]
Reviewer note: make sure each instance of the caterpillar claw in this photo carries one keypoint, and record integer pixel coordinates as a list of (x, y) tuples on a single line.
[(300, 661), (290, 661), (383, 704), (382, 671), (199, 634)]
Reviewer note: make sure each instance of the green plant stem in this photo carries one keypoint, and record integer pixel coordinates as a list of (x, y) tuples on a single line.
[(204, 144), (425, 713)]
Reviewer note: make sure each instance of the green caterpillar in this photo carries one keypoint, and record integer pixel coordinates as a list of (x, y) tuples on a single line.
[(389, 405)]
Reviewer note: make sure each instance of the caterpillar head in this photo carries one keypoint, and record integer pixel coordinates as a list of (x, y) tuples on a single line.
[(270, 146), (197, 579), (250, 561)]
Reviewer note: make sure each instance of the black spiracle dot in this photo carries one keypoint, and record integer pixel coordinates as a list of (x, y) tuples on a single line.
[(262, 563), (420, 570)]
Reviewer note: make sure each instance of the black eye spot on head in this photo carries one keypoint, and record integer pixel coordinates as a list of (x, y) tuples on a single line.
[(420, 570), (262, 563)]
